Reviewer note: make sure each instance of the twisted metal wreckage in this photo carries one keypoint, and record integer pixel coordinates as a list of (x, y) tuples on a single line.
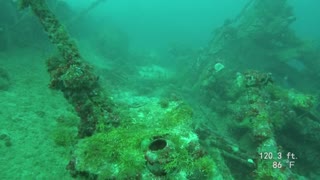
[(262, 25)]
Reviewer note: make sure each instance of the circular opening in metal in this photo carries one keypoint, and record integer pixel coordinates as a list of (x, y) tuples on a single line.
[(158, 144)]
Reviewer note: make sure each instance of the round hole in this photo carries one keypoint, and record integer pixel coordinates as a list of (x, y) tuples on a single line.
[(158, 144)]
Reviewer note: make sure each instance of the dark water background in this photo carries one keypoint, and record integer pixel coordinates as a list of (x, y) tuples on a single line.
[(307, 13), (157, 23)]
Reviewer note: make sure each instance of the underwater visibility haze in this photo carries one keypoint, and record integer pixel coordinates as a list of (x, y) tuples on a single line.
[(171, 89)]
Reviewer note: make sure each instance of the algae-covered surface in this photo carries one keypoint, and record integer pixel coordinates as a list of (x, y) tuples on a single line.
[(88, 91)]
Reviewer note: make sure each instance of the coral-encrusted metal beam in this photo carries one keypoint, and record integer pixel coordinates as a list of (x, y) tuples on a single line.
[(70, 74)]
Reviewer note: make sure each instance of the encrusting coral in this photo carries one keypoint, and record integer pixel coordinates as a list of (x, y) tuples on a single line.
[(70, 74)]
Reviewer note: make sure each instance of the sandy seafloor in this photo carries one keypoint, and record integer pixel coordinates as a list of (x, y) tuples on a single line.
[(28, 112)]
